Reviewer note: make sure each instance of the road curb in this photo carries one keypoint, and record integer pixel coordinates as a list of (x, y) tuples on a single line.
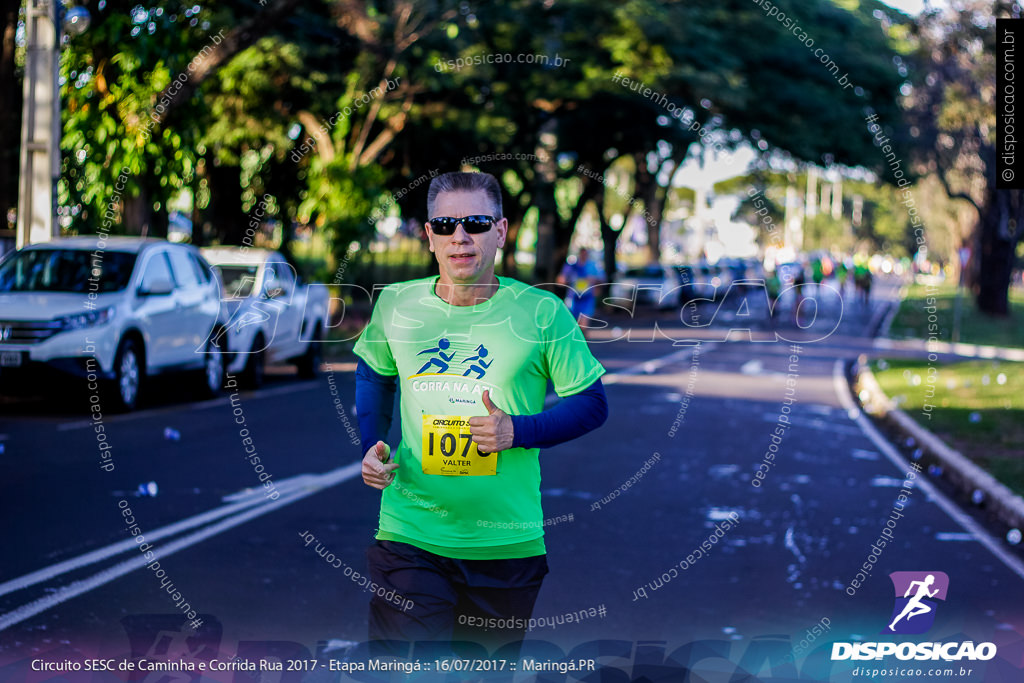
[(884, 341), (894, 308), (997, 499), (963, 350)]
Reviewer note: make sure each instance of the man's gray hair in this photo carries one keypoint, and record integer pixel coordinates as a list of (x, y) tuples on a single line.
[(465, 182)]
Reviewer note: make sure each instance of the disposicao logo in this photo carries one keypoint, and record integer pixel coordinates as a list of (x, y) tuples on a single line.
[(916, 596)]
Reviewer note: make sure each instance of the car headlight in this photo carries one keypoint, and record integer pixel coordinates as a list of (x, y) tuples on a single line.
[(86, 319)]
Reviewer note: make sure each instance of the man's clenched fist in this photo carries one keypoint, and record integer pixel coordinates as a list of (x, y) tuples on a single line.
[(494, 432), (378, 472)]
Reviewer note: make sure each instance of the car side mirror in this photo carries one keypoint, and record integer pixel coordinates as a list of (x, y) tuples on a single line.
[(159, 287), (275, 292)]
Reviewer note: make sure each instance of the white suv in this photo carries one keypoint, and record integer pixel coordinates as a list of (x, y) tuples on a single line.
[(274, 316), (111, 311)]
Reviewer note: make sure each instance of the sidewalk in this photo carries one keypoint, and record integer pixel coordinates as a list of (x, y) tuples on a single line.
[(923, 347)]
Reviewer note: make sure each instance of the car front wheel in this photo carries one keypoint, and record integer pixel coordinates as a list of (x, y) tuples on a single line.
[(213, 370), (128, 375)]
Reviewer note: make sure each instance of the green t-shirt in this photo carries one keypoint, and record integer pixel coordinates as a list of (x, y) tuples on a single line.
[(445, 357)]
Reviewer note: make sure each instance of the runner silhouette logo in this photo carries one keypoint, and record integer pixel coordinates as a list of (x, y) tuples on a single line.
[(916, 596), (440, 359)]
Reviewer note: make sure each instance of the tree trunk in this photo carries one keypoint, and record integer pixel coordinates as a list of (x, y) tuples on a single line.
[(547, 220), (999, 230), (225, 209), (609, 235), (159, 219), (610, 239), (563, 238), (514, 212), (543, 193), (653, 232), (647, 190), (198, 234), (136, 214)]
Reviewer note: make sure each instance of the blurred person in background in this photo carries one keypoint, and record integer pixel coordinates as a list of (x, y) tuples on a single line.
[(581, 276), (862, 280)]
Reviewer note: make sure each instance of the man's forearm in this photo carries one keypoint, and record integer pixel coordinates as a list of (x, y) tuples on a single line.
[(570, 418), (375, 403)]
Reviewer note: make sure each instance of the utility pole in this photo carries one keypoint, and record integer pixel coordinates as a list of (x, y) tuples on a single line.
[(40, 126), (40, 120), (811, 196)]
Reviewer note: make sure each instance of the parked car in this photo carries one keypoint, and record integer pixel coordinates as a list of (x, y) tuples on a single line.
[(707, 281), (113, 311), (754, 272), (651, 285), (273, 317), (740, 274), (688, 281)]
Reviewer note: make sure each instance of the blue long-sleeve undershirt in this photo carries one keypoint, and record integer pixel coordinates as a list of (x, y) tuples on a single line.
[(570, 418), (375, 404)]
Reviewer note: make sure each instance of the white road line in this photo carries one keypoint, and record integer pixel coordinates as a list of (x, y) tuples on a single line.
[(752, 367), (201, 405), (842, 390), (324, 481), (815, 423), (320, 481), (643, 367), (648, 367), (114, 549), (282, 485)]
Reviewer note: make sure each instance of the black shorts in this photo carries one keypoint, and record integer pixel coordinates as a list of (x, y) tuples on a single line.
[(480, 601)]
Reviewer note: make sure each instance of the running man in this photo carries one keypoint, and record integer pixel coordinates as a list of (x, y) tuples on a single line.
[(441, 361), (914, 606), (581, 276), (461, 532)]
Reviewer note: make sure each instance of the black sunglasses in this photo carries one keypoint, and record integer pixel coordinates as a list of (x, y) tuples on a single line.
[(474, 225)]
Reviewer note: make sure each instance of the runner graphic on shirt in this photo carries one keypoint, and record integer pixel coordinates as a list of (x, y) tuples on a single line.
[(442, 360), (481, 367)]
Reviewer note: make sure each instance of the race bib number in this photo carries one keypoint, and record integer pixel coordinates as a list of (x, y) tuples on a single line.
[(448, 448)]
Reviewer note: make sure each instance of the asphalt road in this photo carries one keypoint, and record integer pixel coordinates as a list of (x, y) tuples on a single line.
[(701, 416)]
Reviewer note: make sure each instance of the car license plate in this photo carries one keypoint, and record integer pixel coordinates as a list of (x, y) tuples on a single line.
[(10, 359)]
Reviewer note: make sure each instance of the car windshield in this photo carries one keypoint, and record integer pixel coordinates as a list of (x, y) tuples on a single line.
[(66, 270), (238, 280)]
